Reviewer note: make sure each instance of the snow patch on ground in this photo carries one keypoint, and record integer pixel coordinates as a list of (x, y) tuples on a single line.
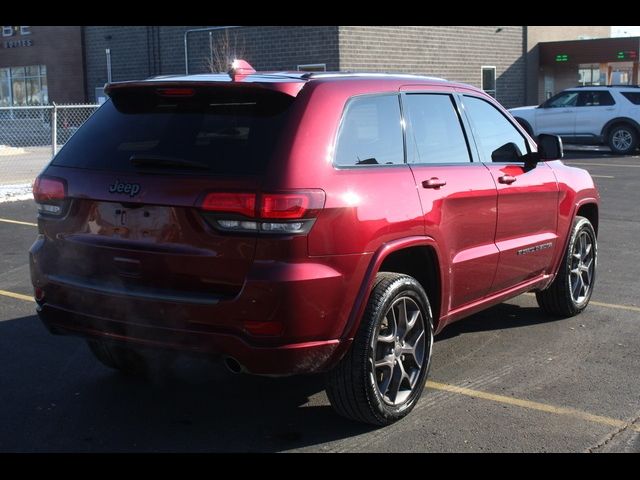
[(7, 150), (16, 192)]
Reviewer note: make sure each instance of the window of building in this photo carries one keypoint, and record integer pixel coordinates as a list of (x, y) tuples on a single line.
[(489, 80), (5, 88), (436, 134), (23, 86), (589, 75), (496, 136), (313, 67), (371, 132)]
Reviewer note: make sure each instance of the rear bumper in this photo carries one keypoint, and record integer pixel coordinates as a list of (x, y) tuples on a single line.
[(287, 359), (307, 302)]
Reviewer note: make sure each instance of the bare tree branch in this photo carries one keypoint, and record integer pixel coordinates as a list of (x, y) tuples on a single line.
[(223, 50)]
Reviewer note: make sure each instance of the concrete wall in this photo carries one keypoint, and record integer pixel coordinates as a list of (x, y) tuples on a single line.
[(60, 49), (535, 35), (453, 52)]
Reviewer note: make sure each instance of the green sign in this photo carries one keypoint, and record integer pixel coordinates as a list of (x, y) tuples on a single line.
[(562, 57)]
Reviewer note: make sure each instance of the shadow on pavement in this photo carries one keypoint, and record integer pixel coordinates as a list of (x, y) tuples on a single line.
[(56, 397), (500, 317)]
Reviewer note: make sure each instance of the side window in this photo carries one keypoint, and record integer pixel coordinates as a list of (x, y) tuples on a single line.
[(633, 97), (498, 140), (561, 100), (595, 99), (370, 132), (435, 134)]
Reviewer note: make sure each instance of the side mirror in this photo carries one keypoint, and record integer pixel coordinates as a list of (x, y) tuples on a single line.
[(509, 152), (549, 147)]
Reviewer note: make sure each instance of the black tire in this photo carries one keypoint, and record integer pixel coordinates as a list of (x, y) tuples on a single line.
[(622, 139), (353, 385), (559, 299), (119, 357)]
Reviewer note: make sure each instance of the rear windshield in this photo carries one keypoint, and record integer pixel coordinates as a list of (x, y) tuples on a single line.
[(214, 132)]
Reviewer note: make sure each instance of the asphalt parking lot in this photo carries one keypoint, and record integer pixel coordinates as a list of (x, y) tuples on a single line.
[(509, 379)]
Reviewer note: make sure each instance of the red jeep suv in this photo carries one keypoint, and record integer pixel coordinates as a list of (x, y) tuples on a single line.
[(305, 222)]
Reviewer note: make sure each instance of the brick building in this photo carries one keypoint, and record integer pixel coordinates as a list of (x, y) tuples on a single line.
[(40, 65), (72, 64), (453, 52)]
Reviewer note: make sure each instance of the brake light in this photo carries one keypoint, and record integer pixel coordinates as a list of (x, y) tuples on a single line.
[(47, 189), (284, 205), (293, 212), (241, 203), (176, 92), (50, 194)]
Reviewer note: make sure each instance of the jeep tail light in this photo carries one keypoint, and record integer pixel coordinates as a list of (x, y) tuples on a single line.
[(240, 203), (50, 194), (290, 212), (291, 205)]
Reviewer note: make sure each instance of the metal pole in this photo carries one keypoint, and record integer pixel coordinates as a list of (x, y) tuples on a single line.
[(108, 52), (186, 53), (54, 129), (210, 51)]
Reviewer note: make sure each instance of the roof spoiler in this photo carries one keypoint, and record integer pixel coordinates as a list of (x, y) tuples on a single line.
[(233, 81)]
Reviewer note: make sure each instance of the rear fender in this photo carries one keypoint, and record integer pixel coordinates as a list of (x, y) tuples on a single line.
[(355, 317)]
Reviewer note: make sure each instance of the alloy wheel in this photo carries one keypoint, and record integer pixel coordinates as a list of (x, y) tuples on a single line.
[(398, 351), (622, 140), (582, 267)]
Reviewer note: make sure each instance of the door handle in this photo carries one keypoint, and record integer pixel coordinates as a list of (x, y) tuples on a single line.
[(507, 179), (433, 182)]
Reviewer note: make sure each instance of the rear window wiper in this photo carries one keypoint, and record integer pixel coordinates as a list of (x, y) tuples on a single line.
[(165, 162)]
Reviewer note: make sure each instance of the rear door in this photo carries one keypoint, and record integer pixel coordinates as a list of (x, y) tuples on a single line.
[(458, 196), (137, 174), (527, 198), (557, 116), (595, 108)]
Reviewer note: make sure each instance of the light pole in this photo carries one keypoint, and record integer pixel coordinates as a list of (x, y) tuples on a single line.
[(107, 52)]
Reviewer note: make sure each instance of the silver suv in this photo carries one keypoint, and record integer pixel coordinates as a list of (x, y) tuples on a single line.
[(608, 115)]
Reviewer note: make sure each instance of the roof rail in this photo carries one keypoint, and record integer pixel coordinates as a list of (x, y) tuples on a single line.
[(608, 86), (311, 75)]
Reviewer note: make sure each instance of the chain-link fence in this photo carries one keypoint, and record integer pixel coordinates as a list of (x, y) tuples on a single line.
[(29, 137)]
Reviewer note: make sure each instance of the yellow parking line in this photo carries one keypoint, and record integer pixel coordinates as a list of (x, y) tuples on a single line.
[(570, 412), (603, 164), (542, 407), (17, 296), (602, 304), (613, 305), (6, 220)]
